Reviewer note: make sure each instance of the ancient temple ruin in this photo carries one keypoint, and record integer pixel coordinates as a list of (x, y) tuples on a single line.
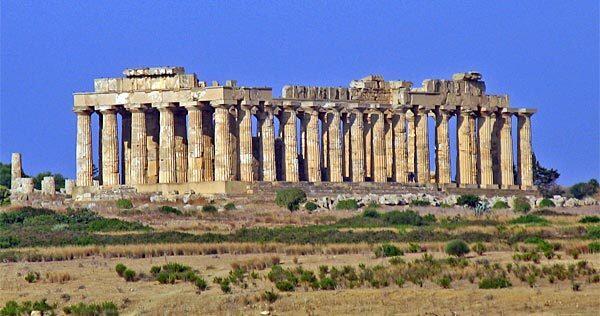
[(176, 129)]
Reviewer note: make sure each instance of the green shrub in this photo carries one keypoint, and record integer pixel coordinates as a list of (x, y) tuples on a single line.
[(500, 205), (129, 275), (32, 277), (284, 286), (209, 208), (12, 308), (594, 247), (371, 213), (225, 286), (529, 219), (124, 204), (290, 198), (494, 283), (479, 248), (469, 200), (590, 219), (593, 232), (350, 204), (419, 202), (388, 250), (310, 206), (521, 205), (400, 281), (4, 195), (407, 217), (170, 210), (546, 202), (457, 248), (583, 189), (270, 296), (120, 268), (155, 270), (201, 284), (445, 281), (445, 205), (83, 309), (413, 248), (327, 283), (229, 206)]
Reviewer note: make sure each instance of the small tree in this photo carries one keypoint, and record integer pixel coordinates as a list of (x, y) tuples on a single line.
[(457, 248), (290, 198), (521, 205), (583, 189), (468, 200), (545, 179)]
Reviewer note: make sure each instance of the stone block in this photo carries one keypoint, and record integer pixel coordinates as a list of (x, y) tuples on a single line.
[(26, 185), (48, 186), (69, 186)]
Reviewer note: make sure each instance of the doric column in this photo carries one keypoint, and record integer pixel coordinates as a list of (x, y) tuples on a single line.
[(110, 147), (152, 144), (267, 144), (347, 145), (335, 147), (139, 149), (181, 144), (324, 146), (486, 124), (368, 123), (506, 152), (208, 143), (167, 172), (195, 170), (16, 170), (411, 137), (379, 164), (525, 150), (400, 156), (245, 138), (223, 167), (463, 161), (389, 145), (442, 145), (422, 145), (313, 155), (358, 145), (473, 149), (84, 148), (125, 147), (290, 140), (496, 128)]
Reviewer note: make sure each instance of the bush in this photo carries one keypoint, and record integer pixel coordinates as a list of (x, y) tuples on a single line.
[(120, 268), (593, 232), (225, 286), (529, 219), (457, 248), (201, 284), (327, 283), (583, 189), (371, 213), (469, 200), (407, 217), (521, 205), (270, 296), (500, 205), (129, 275), (445, 281), (419, 202), (310, 206), (13, 308), (590, 219), (229, 206), (479, 248), (170, 210), (388, 250), (494, 283), (290, 198), (284, 286), (83, 309), (124, 204), (155, 270), (594, 247), (350, 204), (32, 277), (4, 195), (209, 208), (546, 202)]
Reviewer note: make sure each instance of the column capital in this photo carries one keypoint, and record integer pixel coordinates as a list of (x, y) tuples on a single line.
[(106, 109), (222, 103), (83, 110), (136, 107), (487, 110)]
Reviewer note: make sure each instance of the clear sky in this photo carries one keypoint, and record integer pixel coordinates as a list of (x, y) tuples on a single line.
[(545, 54)]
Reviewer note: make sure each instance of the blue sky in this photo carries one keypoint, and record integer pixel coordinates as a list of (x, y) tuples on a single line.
[(545, 54)]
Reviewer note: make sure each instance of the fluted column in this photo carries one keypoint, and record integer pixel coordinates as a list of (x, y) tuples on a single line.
[(422, 146), (288, 120), (400, 155), (110, 147), (486, 124), (139, 149), (442, 146), (525, 151), (245, 138), (335, 147), (152, 144), (389, 146), (84, 148), (167, 172), (368, 122), (181, 144), (313, 156), (506, 152), (195, 147), (379, 164), (464, 171), (358, 146), (324, 146), (208, 144), (125, 147), (473, 149), (267, 139), (223, 165), (411, 138)]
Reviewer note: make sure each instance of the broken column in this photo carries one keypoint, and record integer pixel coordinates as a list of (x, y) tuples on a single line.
[(48, 186), (16, 170), (69, 186)]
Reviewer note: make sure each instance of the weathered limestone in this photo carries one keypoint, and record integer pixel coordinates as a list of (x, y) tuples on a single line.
[(368, 127), (139, 148), (267, 136), (525, 157), (464, 176), (167, 163), (347, 145), (358, 145), (246, 158), (181, 150), (16, 170), (506, 152), (152, 144), (288, 120), (400, 155), (389, 146), (195, 146), (125, 147), (223, 168), (473, 150), (84, 148), (69, 186), (313, 155), (208, 144), (379, 164), (442, 145), (335, 147), (422, 145), (411, 145), (48, 186), (110, 147), (26, 185), (486, 123)]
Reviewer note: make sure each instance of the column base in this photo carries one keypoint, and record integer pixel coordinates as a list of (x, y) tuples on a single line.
[(468, 186), (489, 186), (509, 187), (528, 187)]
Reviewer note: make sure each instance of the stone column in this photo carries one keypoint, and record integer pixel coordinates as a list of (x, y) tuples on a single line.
[(473, 149), (335, 147), (400, 156), (347, 155), (486, 124), (110, 147), (411, 137), (166, 150), (181, 144), (506, 152), (324, 146), (195, 170), (422, 146), (139, 149), (234, 143), (525, 151), (497, 127), (48, 186), (246, 158), (222, 143), (152, 145), (463, 161), (208, 144), (368, 123), (290, 139), (379, 165), (358, 145), (125, 147), (442, 145), (312, 145), (16, 170), (84, 149), (267, 139), (389, 146)]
